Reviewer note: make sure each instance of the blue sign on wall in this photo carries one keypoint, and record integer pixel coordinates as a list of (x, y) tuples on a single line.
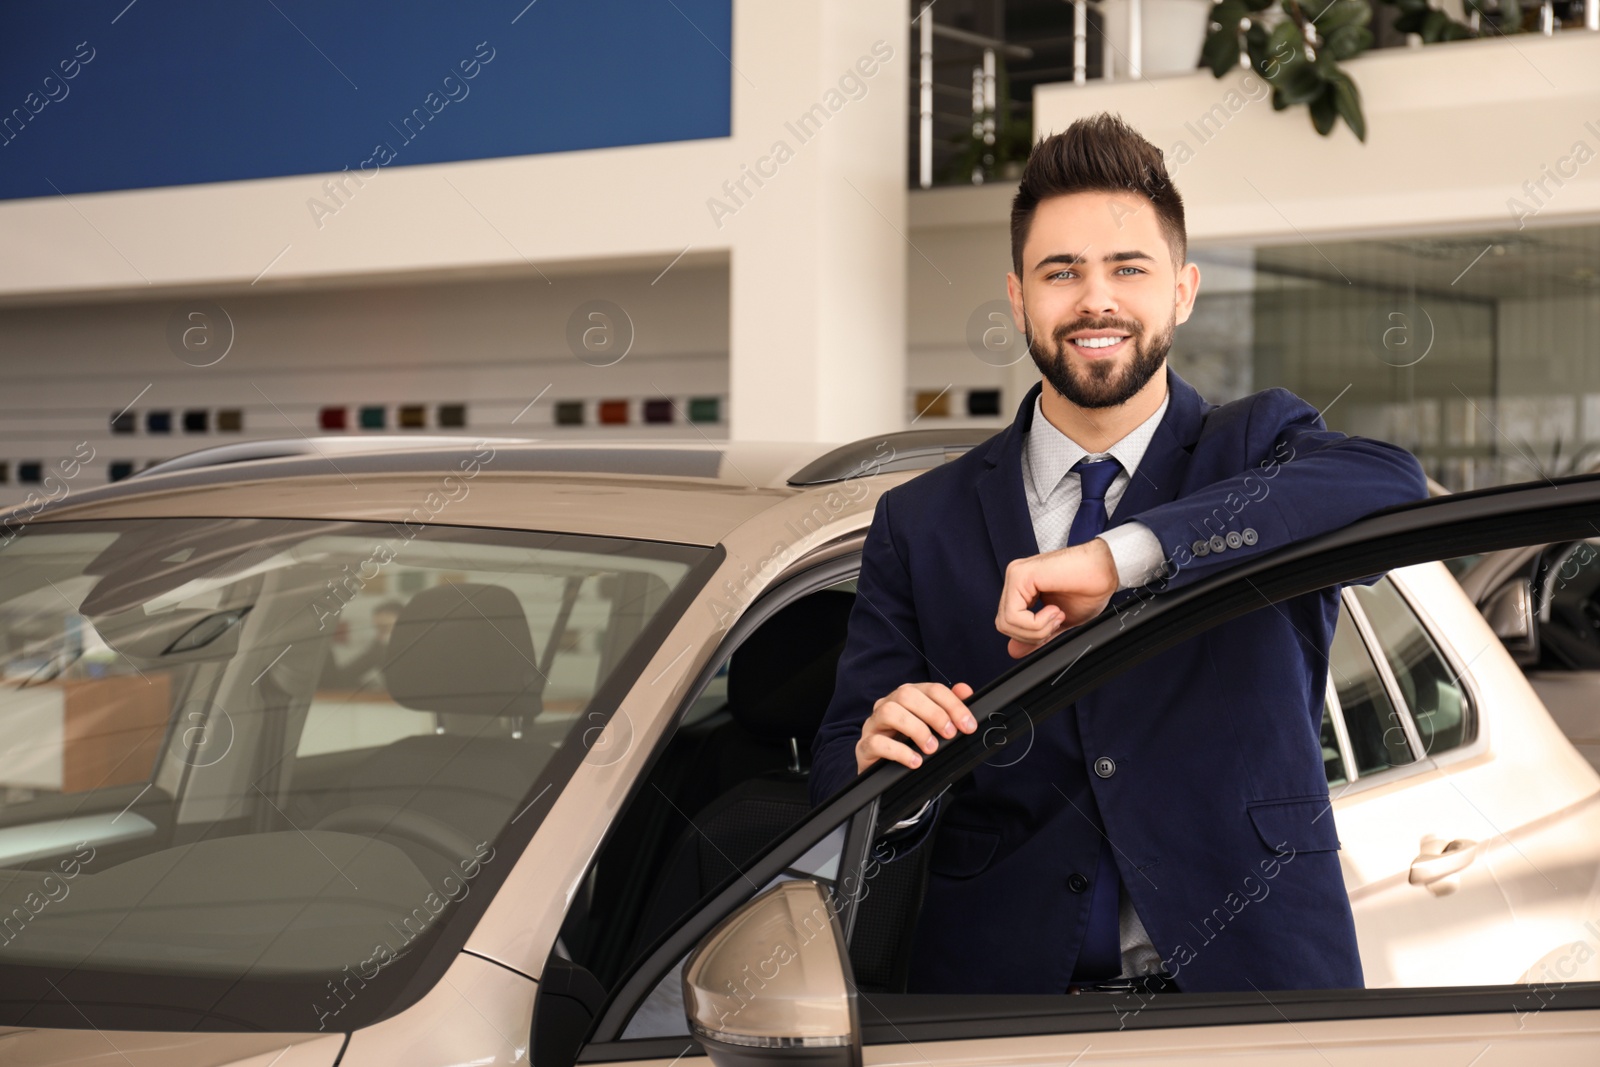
[(113, 95)]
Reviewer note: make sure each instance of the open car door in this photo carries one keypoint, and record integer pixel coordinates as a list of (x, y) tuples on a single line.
[(761, 970)]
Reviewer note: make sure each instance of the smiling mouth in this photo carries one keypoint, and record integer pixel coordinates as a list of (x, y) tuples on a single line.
[(1099, 346)]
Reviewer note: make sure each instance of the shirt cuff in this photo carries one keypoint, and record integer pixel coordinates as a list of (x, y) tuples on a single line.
[(917, 816), (1136, 552)]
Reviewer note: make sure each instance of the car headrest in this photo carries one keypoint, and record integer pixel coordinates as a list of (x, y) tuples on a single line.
[(464, 649), (781, 679)]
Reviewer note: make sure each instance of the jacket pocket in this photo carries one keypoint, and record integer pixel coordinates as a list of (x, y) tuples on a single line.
[(1304, 824), (961, 852)]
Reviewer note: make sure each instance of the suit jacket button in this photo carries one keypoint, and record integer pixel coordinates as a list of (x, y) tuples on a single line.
[(1077, 883), (1200, 548), (1105, 766), (1249, 536), (1234, 539), (1217, 543)]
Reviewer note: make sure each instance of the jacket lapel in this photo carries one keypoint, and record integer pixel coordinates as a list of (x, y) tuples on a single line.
[(1165, 462), (1156, 481), (1000, 492)]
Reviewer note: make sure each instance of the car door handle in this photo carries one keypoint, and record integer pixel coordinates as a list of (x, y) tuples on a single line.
[(1441, 860)]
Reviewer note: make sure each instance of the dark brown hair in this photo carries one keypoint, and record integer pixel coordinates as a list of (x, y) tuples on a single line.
[(1098, 153)]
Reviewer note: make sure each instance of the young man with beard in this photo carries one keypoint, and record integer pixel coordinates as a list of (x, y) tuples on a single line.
[(1115, 849)]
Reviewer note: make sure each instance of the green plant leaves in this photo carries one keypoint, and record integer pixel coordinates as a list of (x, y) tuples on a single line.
[(1342, 13), (1301, 84), (1298, 74), (1323, 112), (1285, 36), (1255, 40), (1228, 14), (1433, 25), (1220, 52), (1347, 100), (1347, 41)]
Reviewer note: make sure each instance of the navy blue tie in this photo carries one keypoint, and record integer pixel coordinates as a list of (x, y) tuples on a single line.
[(1101, 953), (1096, 475)]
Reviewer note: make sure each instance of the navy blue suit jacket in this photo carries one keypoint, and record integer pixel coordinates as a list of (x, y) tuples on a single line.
[(1218, 807)]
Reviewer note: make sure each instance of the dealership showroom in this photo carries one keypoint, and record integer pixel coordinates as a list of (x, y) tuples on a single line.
[(826, 532)]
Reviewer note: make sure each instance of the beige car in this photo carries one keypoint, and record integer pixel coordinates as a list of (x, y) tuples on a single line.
[(436, 752)]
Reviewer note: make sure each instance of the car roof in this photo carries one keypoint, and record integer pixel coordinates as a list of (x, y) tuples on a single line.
[(693, 492)]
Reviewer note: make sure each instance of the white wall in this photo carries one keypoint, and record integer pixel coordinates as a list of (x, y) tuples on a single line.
[(815, 328), (1453, 132), (957, 273), (494, 344)]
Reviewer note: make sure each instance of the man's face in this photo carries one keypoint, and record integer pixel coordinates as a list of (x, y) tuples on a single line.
[(1098, 298), (383, 625)]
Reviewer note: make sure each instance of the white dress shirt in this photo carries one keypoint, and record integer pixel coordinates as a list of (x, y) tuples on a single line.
[(1054, 491)]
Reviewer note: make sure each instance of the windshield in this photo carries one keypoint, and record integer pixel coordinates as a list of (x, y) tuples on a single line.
[(254, 773)]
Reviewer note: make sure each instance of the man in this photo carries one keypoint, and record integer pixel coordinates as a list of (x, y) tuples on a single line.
[(366, 666), (1171, 828)]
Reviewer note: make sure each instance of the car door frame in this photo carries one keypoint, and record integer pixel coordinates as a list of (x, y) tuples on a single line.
[(827, 565), (1421, 761), (1057, 675)]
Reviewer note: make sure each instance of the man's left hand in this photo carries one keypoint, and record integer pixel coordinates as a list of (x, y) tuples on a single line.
[(1074, 583)]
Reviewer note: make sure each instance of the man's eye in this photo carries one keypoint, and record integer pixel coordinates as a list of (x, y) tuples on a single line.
[(1060, 274)]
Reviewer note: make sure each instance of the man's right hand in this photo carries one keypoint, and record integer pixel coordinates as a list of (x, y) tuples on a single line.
[(913, 712)]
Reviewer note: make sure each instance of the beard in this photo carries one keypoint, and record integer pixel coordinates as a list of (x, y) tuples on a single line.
[(1098, 384)]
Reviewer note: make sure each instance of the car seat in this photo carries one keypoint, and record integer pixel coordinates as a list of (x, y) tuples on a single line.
[(464, 652), (780, 683)]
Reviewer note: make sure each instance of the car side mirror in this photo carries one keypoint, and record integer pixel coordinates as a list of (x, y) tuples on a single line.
[(1510, 615), (771, 984)]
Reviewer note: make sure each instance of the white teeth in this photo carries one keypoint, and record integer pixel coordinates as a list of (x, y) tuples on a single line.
[(1097, 342)]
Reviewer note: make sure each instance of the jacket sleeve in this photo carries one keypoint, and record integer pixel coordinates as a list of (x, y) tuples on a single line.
[(882, 650), (1300, 479)]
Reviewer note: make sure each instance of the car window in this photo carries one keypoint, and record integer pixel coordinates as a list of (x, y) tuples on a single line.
[(1333, 762), (1569, 616), (225, 770), (662, 1013), (730, 779), (1432, 691), (79, 714), (1461, 566), (1377, 736)]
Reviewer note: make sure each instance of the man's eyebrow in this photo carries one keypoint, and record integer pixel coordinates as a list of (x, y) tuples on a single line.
[(1073, 258)]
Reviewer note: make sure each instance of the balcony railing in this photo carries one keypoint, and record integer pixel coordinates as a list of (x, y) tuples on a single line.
[(986, 134)]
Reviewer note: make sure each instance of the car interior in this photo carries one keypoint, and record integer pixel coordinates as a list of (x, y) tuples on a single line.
[(464, 653), (730, 781), (1545, 604)]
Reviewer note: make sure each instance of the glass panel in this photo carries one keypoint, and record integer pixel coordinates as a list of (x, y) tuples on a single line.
[(1377, 738), (662, 1013), (1332, 758), (1569, 627), (310, 735), (1485, 373), (1436, 698), (729, 781), (79, 714)]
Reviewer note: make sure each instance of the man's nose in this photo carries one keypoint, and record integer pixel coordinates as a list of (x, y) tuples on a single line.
[(1096, 299)]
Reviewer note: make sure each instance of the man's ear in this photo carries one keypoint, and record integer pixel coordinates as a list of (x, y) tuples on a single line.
[(1187, 288), (1019, 315)]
